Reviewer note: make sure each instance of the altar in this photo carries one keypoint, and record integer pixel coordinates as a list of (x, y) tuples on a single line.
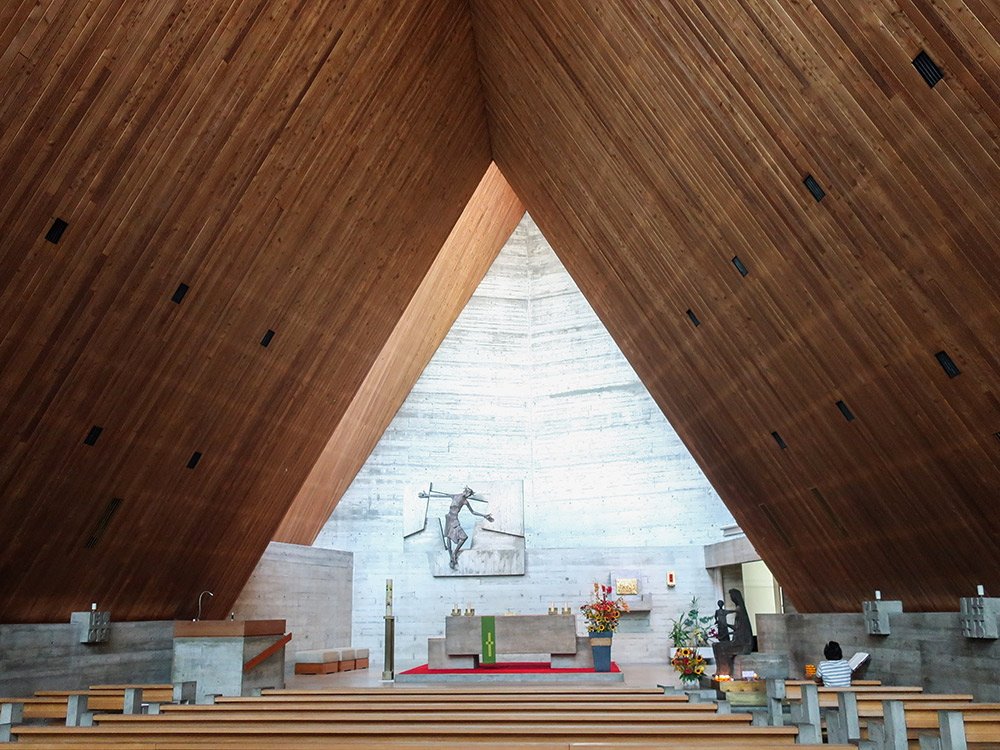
[(466, 640)]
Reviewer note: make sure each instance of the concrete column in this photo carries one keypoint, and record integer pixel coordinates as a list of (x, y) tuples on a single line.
[(895, 725), (10, 714), (952, 726), (810, 731), (133, 701), (775, 698), (76, 711)]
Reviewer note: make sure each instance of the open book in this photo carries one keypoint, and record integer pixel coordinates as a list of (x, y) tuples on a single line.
[(858, 659)]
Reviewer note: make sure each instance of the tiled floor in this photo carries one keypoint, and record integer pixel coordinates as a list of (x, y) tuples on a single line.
[(638, 675)]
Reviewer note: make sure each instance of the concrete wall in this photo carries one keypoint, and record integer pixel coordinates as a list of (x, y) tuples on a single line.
[(924, 649), (529, 386), (51, 657), (310, 588)]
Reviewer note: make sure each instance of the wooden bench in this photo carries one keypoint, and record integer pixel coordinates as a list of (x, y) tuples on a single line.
[(363, 692), (390, 697), (207, 714), (614, 707), (303, 734)]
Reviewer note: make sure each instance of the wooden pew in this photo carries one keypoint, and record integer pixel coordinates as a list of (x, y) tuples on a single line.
[(475, 690), (793, 690), (309, 734), (391, 696), (453, 705), (207, 715)]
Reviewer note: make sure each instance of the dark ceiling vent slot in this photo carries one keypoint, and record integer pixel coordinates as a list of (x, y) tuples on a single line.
[(179, 294), (195, 458), (825, 506), (845, 411), (927, 69), (55, 232), (778, 440), (102, 523), (949, 367), (739, 266), (777, 527), (996, 435), (267, 338), (814, 188), (694, 318), (95, 432)]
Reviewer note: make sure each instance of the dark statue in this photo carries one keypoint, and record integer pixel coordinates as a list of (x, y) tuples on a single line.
[(454, 534), (722, 625), (742, 635)]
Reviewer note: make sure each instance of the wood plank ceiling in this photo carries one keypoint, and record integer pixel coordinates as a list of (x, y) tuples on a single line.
[(481, 232), (296, 166), (656, 142)]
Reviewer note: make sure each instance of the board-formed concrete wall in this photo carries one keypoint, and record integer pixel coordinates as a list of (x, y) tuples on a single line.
[(308, 587), (51, 657), (529, 386), (922, 648)]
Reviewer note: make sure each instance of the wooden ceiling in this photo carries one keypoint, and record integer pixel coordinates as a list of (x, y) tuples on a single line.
[(654, 142), (299, 166), (481, 232)]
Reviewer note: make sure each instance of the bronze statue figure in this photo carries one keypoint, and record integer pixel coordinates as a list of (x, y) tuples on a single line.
[(742, 637), (722, 625), (455, 535)]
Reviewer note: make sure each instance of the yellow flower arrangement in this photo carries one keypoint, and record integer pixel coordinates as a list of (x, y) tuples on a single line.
[(601, 612), (689, 664)]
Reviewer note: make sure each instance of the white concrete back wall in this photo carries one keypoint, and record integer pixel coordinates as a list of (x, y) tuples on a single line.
[(528, 385), (309, 588)]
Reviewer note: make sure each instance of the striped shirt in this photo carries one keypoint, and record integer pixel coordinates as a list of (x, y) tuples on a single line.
[(834, 673)]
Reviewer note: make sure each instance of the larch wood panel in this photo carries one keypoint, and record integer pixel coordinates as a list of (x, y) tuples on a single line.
[(481, 232), (298, 165), (653, 142)]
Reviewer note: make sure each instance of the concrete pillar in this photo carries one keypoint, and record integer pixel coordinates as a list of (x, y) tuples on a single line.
[(76, 711), (133, 701), (952, 726), (895, 726), (185, 692), (844, 727), (810, 731), (10, 714), (775, 697)]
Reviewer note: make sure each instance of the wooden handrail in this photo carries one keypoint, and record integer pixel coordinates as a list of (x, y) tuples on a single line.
[(267, 652)]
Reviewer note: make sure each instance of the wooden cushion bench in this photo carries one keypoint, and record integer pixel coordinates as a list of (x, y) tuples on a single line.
[(330, 660)]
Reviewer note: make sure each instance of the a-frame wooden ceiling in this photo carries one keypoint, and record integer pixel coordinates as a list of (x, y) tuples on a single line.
[(299, 166)]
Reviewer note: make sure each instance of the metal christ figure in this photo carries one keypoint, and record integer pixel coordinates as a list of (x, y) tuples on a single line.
[(454, 534)]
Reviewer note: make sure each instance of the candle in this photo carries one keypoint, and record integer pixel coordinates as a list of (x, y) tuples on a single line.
[(980, 590), (388, 597), (878, 594)]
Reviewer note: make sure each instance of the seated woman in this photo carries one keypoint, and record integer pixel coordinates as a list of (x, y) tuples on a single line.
[(835, 671)]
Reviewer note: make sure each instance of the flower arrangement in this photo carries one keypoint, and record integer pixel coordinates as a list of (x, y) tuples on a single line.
[(688, 663), (691, 630), (602, 613)]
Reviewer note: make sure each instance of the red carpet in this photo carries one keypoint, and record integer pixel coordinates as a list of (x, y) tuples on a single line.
[(509, 667)]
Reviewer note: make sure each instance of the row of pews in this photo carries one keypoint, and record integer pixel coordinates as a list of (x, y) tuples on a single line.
[(499, 718), (446, 718)]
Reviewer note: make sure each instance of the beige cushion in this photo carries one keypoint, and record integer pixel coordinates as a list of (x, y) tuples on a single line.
[(347, 654), (331, 655), (316, 656), (360, 653)]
